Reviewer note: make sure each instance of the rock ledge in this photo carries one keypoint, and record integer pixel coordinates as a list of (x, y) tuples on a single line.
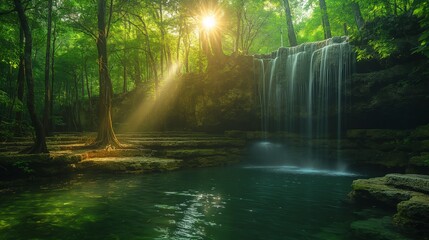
[(408, 193)]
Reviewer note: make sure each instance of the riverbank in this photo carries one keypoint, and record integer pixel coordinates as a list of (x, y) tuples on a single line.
[(143, 152)]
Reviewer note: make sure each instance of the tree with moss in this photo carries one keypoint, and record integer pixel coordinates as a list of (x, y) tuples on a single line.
[(105, 136)]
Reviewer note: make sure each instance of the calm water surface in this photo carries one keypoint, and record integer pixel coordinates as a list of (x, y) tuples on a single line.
[(242, 202)]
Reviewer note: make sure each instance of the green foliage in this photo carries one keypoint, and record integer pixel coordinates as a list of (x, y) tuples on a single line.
[(24, 166), (149, 38), (423, 13), (14, 104), (387, 37), (8, 129)]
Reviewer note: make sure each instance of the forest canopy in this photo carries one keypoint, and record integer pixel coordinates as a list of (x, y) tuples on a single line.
[(150, 40)]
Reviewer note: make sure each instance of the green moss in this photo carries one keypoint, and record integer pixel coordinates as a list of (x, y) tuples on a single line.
[(376, 134), (420, 161), (129, 164), (421, 132), (376, 229), (413, 215)]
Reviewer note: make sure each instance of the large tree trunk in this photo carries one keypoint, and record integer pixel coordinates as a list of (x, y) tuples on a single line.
[(106, 137), (20, 83), (325, 19), (48, 95), (360, 22), (290, 30), (40, 141)]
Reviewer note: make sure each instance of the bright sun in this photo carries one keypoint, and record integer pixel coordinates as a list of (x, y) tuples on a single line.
[(209, 22)]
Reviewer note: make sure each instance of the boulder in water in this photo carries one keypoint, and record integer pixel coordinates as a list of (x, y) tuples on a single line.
[(408, 193)]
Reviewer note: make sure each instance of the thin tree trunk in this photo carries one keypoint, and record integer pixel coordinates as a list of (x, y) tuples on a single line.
[(325, 19), (47, 114), (186, 60), (290, 30), (11, 90), (395, 7), (125, 87), (239, 13), (162, 48), (40, 141), (125, 61), (149, 52), (88, 90), (20, 83), (360, 22), (179, 39), (138, 71), (76, 104), (51, 107), (106, 137), (346, 31)]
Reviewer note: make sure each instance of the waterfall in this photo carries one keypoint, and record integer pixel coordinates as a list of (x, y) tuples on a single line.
[(303, 89)]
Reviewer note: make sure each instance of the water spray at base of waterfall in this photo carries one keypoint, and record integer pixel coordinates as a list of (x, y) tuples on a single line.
[(304, 90)]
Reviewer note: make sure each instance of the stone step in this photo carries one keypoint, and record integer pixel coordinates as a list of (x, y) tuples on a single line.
[(415, 182), (128, 164), (188, 143)]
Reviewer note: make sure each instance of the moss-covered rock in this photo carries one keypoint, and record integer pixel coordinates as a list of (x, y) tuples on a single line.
[(421, 132), (414, 182), (394, 98), (376, 134), (408, 193), (413, 215), (199, 152), (15, 165), (421, 160), (128, 164), (375, 191), (211, 161)]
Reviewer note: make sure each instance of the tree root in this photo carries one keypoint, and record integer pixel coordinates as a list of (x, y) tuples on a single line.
[(35, 149)]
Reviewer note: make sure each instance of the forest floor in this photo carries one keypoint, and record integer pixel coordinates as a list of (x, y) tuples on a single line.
[(144, 152)]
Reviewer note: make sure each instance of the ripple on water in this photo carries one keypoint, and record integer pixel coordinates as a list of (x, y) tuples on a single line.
[(300, 170)]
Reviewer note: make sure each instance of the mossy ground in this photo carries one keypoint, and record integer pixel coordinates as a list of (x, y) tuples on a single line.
[(143, 152)]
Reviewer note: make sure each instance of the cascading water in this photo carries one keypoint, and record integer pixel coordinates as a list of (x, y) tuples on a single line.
[(302, 89)]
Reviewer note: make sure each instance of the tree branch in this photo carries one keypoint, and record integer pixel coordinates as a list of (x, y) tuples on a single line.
[(110, 18), (7, 11)]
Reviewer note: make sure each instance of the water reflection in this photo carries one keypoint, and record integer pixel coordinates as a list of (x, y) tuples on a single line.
[(268, 202), (189, 218)]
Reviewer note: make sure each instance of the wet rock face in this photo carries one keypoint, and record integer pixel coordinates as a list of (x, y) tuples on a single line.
[(400, 150), (413, 215), (395, 98), (408, 193)]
